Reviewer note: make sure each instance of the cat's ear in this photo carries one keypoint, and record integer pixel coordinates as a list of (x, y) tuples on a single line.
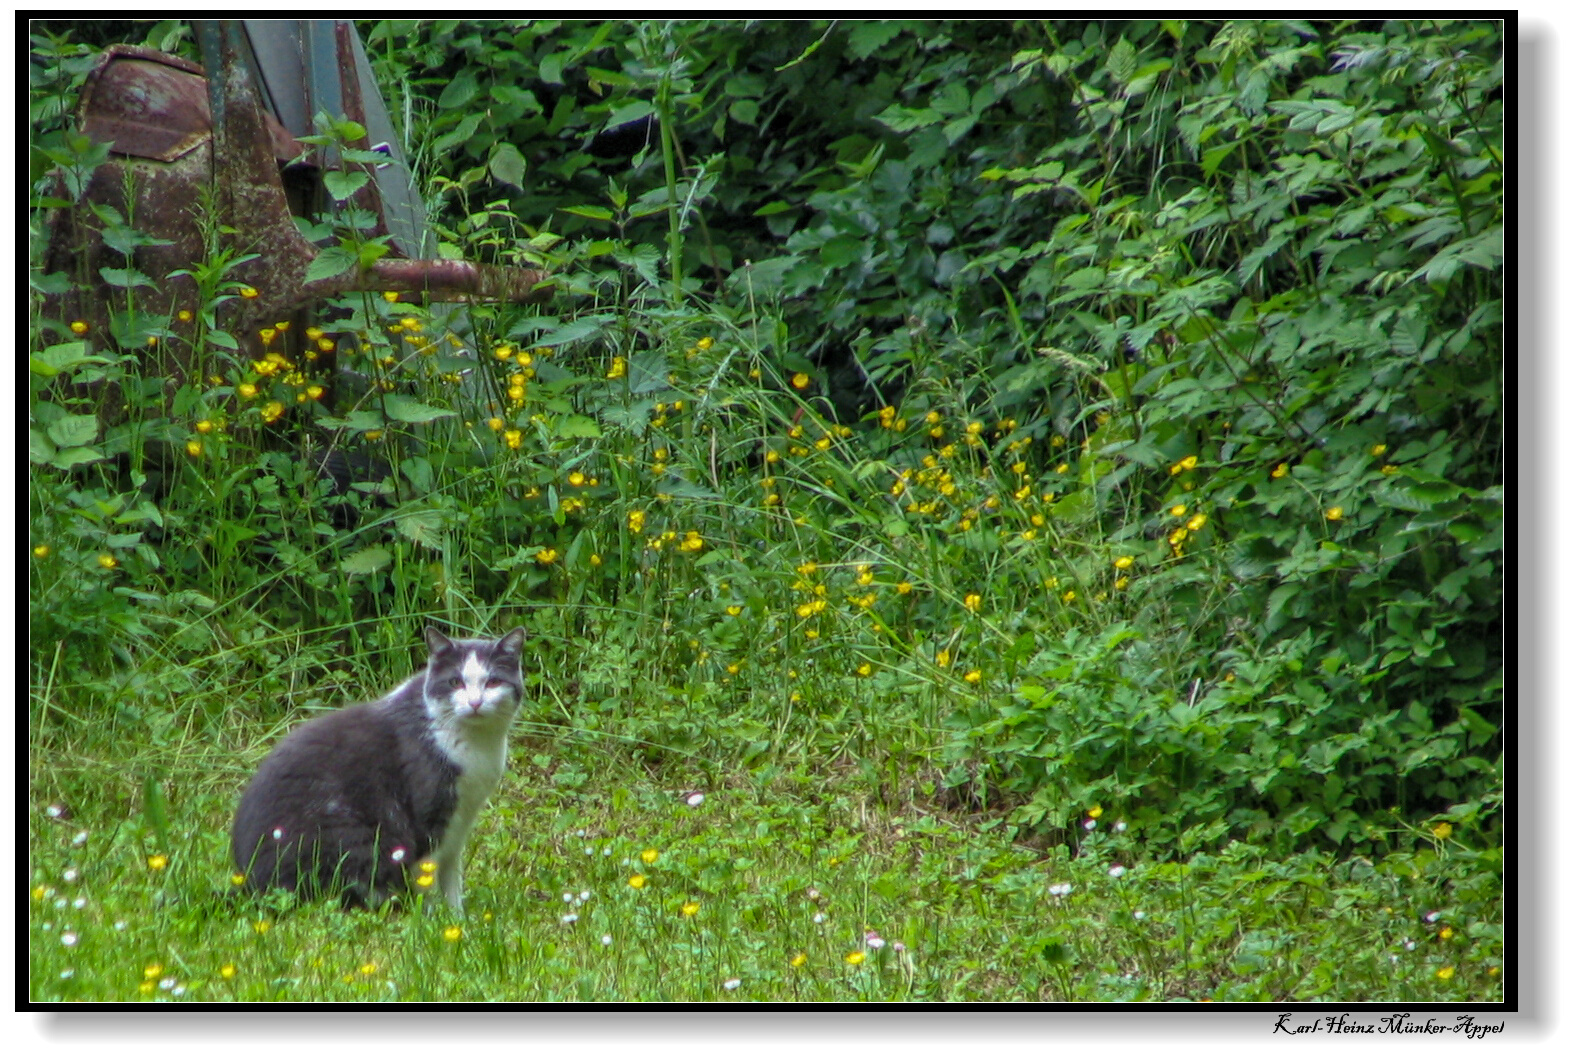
[(511, 643), (437, 642)]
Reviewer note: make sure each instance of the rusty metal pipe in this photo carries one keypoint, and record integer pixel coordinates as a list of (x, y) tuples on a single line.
[(443, 280)]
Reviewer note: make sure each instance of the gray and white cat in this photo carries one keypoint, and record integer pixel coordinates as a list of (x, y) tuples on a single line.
[(353, 802)]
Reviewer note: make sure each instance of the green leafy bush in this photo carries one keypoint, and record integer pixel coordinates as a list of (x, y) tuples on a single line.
[(1096, 415)]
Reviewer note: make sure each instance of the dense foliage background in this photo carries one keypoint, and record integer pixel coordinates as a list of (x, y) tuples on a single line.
[(1032, 418)]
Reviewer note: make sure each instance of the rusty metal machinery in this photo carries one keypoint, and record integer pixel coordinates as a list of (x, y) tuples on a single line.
[(176, 129)]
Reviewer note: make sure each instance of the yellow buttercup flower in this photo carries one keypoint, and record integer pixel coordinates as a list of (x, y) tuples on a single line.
[(854, 958), (798, 960), (649, 855), (1124, 562), (1280, 472), (1179, 510), (109, 562), (40, 551), (1334, 514), (452, 933), (972, 603), (637, 881), (227, 971), (1377, 450), (248, 292), (690, 909), (972, 677), (546, 556), (800, 381)]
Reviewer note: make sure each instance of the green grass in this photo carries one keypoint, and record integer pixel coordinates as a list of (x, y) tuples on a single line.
[(784, 865)]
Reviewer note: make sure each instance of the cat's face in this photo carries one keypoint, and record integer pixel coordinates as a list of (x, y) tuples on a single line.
[(473, 681)]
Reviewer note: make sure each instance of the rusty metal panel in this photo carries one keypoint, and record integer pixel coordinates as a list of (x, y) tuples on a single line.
[(144, 103)]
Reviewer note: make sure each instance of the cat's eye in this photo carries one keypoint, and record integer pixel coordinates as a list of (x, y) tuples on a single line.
[(455, 682), (495, 682)]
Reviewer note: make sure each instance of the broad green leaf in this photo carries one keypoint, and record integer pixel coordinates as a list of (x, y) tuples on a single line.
[(458, 134), (1120, 60), (125, 278), (409, 411), (508, 166), (577, 426), (61, 357), (67, 458), (578, 329), (868, 37), (458, 92), (370, 252), (424, 527), (341, 185), (551, 69), (368, 560), (902, 119), (76, 430), (330, 263), (588, 211), (628, 113), (40, 450)]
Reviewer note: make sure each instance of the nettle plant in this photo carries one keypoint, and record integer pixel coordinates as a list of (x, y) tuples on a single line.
[(1282, 325)]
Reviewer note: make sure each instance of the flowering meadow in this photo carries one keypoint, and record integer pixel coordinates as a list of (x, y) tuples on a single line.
[(1000, 511)]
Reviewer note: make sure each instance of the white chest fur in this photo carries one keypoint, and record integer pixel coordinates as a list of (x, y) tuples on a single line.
[(471, 727)]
